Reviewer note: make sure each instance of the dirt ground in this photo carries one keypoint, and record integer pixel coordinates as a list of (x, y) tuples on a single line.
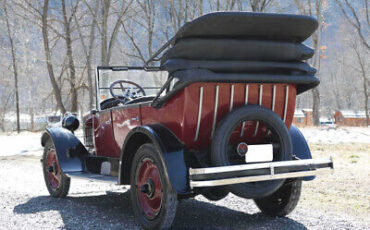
[(337, 201)]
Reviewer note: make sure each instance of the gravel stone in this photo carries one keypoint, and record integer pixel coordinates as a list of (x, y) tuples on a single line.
[(25, 204)]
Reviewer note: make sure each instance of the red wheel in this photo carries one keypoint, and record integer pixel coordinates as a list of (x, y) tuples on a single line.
[(56, 182), (53, 169), (149, 186), (153, 199)]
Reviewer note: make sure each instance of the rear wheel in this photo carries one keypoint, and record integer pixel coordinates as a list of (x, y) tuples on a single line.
[(281, 202), (215, 193), (153, 199), (247, 126), (56, 181)]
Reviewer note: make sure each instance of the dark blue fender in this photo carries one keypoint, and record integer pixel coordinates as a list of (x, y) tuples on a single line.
[(70, 150), (172, 154), (300, 147)]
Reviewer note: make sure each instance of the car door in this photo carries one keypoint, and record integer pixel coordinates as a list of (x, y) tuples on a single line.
[(125, 119), (105, 144)]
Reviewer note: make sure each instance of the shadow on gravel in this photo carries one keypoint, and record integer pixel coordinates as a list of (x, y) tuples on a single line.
[(113, 211), (197, 214)]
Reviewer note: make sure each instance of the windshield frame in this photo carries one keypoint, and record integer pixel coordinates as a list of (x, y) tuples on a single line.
[(119, 68)]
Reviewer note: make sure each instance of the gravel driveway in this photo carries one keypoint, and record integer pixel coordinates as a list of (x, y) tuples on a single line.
[(25, 204)]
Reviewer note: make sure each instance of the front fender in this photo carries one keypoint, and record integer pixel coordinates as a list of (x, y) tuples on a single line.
[(70, 150), (300, 147), (172, 153)]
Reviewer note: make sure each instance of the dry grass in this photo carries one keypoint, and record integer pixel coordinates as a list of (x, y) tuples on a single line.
[(348, 189)]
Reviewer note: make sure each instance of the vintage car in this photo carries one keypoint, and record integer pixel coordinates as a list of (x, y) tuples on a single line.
[(221, 123)]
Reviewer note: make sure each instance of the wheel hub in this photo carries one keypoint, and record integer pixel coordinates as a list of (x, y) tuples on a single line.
[(242, 149), (52, 169), (149, 188)]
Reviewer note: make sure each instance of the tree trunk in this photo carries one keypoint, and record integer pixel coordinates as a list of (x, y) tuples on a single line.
[(14, 65), (316, 106), (364, 83), (366, 107), (90, 71), (3, 112), (56, 89), (71, 65), (104, 30), (88, 51), (104, 43), (259, 5), (316, 64), (89, 68), (200, 8), (316, 40), (32, 116)]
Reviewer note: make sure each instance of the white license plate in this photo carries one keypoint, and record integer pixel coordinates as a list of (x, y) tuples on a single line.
[(259, 153)]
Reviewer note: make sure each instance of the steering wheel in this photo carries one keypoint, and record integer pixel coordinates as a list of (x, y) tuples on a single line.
[(128, 93)]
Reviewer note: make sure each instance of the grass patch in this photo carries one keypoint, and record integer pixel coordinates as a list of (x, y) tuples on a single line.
[(347, 190)]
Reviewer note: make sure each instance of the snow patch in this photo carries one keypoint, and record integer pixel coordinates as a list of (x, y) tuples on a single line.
[(330, 135), (25, 143)]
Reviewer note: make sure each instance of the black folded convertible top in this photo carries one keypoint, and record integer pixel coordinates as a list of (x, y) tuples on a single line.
[(230, 66), (241, 25), (237, 49), (240, 47)]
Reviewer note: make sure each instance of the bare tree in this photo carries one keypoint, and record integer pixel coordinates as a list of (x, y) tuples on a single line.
[(44, 27), (148, 11), (107, 42), (361, 23), (88, 50), (5, 99), (353, 18), (314, 9), (260, 5), (365, 80), (71, 65), (14, 61)]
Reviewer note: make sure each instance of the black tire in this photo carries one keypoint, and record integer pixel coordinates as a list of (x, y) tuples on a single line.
[(168, 205), (62, 189), (215, 193), (283, 201), (219, 147)]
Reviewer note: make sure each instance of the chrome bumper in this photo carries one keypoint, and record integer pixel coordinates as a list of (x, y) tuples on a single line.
[(226, 175)]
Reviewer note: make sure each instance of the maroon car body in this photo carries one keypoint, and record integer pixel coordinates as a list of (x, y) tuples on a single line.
[(220, 123), (106, 131)]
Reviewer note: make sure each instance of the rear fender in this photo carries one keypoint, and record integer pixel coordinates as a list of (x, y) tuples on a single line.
[(300, 147), (70, 150), (171, 149)]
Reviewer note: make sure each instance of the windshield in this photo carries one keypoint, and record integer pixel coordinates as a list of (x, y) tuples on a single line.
[(150, 81)]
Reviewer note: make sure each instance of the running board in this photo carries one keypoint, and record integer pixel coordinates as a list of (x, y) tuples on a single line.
[(93, 177), (236, 174)]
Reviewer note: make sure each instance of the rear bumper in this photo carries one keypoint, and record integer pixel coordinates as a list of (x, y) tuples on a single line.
[(236, 174)]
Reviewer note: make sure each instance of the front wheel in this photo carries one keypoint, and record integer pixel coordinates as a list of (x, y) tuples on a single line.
[(56, 181), (283, 201), (153, 199)]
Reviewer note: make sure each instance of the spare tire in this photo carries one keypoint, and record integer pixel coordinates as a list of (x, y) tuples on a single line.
[(275, 133)]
